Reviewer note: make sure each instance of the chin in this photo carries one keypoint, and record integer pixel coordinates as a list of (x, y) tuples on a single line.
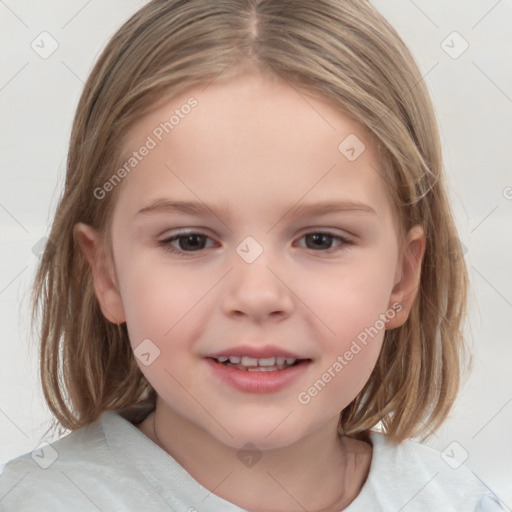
[(266, 434)]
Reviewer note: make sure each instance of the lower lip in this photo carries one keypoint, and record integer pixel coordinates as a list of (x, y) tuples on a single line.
[(258, 382)]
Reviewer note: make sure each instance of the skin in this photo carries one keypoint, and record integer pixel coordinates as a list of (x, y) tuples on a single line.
[(258, 147)]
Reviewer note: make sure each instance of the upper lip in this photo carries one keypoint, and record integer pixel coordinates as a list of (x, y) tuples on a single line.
[(262, 352)]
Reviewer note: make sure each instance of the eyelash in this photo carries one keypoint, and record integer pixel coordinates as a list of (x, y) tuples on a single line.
[(166, 243)]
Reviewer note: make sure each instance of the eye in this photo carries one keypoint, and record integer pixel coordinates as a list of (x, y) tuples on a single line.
[(183, 243), (322, 241)]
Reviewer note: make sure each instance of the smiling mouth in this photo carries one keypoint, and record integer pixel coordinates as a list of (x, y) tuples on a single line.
[(253, 364)]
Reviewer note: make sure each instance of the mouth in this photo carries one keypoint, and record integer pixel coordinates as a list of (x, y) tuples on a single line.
[(262, 369), (258, 364)]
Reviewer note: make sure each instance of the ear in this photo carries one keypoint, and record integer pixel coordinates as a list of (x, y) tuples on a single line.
[(105, 288), (407, 277)]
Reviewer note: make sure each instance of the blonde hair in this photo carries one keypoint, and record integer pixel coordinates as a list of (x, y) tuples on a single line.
[(342, 51)]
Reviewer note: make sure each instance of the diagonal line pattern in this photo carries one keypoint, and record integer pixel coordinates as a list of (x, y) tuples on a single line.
[(73, 72), (198, 403), (424, 297), (213, 213), (493, 287), (424, 13), (493, 496), (423, 77), (381, 175), (485, 218), (486, 14), (280, 423), (13, 279), (503, 407), (407, 503), (214, 285), (13, 13), (492, 81), (14, 76), (210, 493), (286, 491), (14, 218), (19, 481), (85, 494), (405, 93), (13, 421), (216, 76), (301, 300), (305, 194), (76, 14)]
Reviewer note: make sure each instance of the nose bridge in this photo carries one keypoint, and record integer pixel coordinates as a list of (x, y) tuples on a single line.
[(255, 286)]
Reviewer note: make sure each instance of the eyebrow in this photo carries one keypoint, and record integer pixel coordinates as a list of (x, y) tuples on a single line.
[(303, 210)]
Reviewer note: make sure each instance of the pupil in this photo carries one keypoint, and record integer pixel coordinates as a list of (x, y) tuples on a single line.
[(192, 242), (317, 237)]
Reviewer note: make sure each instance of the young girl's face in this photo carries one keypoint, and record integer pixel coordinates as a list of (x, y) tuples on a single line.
[(226, 243)]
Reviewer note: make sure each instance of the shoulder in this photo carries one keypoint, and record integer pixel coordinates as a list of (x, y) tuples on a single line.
[(411, 474), (78, 472)]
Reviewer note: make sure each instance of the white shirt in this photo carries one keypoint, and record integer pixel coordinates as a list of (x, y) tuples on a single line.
[(110, 465)]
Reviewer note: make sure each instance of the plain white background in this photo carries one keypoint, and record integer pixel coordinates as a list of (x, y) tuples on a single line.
[(464, 50)]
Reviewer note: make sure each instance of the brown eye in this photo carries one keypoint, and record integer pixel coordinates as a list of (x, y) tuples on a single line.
[(192, 242), (319, 241), (183, 243)]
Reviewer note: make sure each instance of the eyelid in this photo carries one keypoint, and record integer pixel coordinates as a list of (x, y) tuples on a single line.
[(165, 242), (344, 239), (328, 231), (181, 234), (308, 230)]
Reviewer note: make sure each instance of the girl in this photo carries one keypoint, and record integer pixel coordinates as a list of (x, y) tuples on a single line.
[(250, 270)]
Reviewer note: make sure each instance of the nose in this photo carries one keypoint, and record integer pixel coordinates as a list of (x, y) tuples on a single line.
[(258, 291)]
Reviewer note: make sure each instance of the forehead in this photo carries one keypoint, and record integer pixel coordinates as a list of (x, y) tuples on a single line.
[(250, 141)]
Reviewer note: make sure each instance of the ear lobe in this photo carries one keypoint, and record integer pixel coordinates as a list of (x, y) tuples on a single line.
[(409, 277), (105, 288)]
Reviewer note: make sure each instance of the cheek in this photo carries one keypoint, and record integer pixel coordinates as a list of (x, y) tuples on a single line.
[(352, 297), (162, 310), (355, 314), (157, 297), (352, 301)]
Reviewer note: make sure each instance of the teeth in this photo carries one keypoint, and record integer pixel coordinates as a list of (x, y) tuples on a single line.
[(247, 361), (255, 364)]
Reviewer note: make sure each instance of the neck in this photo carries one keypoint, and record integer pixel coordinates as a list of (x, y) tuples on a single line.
[(321, 472)]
